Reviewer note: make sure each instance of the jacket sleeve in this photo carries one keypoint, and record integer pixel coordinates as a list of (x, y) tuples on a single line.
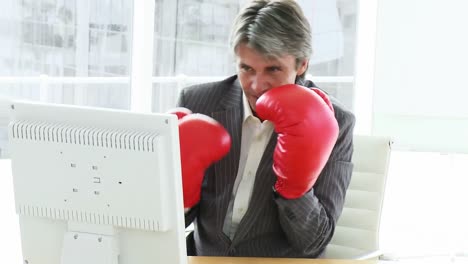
[(309, 221)]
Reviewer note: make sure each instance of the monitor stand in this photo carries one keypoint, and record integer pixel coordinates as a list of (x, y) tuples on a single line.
[(89, 243)]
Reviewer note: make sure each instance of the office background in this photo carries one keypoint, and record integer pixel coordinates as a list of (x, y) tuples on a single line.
[(399, 65)]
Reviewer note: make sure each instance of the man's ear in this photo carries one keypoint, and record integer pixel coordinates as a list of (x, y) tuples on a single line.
[(302, 67)]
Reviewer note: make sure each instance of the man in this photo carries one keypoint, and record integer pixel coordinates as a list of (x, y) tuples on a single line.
[(266, 162)]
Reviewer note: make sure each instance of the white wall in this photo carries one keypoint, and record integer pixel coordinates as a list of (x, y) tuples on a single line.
[(421, 94)]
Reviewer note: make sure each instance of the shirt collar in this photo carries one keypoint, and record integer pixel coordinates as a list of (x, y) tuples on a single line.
[(247, 110)]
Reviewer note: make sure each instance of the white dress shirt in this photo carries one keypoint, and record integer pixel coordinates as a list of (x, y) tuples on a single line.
[(255, 137)]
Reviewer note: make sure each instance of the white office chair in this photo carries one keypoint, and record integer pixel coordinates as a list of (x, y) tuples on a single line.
[(357, 230)]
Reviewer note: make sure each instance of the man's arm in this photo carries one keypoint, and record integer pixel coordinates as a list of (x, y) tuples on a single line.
[(309, 221), (190, 215)]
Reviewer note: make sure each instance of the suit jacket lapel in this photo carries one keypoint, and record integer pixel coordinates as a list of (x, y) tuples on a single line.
[(262, 191)]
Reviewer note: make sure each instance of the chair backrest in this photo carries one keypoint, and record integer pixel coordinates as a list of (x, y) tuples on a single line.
[(357, 230)]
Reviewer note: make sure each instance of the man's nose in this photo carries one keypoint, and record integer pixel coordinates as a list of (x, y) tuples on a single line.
[(260, 84)]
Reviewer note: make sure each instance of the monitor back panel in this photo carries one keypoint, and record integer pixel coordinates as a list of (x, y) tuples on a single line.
[(100, 168)]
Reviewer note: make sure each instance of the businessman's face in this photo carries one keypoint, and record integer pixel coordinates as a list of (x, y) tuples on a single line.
[(258, 73)]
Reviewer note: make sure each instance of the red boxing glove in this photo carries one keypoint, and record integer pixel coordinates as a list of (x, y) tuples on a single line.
[(203, 141), (180, 112), (307, 132)]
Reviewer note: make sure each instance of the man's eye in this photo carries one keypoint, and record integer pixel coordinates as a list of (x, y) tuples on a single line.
[(246, 68), (274, 69)]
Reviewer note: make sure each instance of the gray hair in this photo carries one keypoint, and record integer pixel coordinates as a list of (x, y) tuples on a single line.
[(273, 28)]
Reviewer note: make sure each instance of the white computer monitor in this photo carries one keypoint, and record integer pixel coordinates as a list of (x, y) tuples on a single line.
[(96, 185)]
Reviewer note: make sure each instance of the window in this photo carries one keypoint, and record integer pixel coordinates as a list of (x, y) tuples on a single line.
[(67, 38)]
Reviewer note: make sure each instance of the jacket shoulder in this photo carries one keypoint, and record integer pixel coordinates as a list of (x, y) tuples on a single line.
[(344, 116), (205, 97)]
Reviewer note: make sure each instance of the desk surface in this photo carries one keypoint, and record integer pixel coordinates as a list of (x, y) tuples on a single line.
[(227, 260)]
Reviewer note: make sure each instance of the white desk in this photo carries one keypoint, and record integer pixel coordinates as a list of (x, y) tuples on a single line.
[(228, 260)]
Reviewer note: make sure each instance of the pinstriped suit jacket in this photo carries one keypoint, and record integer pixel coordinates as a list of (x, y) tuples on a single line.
[(272, 226)]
